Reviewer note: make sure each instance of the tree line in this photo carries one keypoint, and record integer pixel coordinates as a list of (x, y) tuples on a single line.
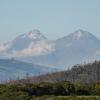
[(64, 88)]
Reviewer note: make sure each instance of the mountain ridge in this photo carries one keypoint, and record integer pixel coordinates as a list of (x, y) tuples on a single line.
[(77, 47), (12, 69)]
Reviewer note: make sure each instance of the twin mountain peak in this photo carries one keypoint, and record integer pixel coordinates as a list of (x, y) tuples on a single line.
[(36, 34)]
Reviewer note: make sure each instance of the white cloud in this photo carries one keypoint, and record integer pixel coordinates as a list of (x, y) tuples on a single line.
[(97, 52), (3, 47), (35, 50)]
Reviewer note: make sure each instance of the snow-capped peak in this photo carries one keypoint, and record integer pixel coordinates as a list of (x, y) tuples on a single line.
[(80, 34), (34, 34), (27, 44)]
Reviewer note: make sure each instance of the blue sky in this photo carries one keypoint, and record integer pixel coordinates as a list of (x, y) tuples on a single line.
[(54, 18)]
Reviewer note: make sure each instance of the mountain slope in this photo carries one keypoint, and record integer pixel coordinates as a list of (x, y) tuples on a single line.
[(24, 40), (78, 47), (32, 43), (86, 73), (12, 69)]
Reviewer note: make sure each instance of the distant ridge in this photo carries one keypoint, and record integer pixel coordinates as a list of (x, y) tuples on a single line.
[(11, 69)]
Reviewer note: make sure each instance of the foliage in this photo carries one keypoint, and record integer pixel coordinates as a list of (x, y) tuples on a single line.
[(56, 91)]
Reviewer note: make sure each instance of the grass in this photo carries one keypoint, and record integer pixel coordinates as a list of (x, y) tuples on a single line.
[(67, 98)]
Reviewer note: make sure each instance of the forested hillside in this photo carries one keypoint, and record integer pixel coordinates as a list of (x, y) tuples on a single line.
[(86, 73), (50, 91)]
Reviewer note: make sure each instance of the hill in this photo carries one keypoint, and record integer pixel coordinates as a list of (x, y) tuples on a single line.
[(12, 69), (86, 73)]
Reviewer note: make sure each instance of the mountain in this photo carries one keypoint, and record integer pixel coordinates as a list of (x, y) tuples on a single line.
[(78, 47), (12, 69), (32, 43), (23, 41)]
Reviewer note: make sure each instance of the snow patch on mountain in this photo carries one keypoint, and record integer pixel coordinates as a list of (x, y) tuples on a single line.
[(80, 34), (35, 34)]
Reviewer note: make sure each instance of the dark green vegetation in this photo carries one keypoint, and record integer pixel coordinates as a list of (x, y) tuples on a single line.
[(54, 91), (67, 98), (82, 82)]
